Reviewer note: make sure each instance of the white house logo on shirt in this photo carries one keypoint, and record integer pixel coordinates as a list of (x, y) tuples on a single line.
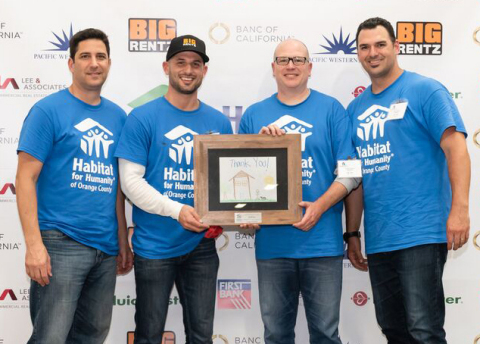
[(372, 122), (182, 145), (293, 125), (96, 139)]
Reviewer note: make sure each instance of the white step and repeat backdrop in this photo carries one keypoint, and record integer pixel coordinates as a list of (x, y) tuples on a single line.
[(439, 38)]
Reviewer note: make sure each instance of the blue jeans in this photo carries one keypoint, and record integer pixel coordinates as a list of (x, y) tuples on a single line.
[(76, 307), (195, 276), (408, 293), (280, 282)]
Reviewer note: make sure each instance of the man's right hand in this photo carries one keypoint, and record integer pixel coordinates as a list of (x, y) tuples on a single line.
[(355, 254), (272, 130), (190, 220), (37, 264)]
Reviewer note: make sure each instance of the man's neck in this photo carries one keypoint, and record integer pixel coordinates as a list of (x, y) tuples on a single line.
[(293, 96), (87, 96), (380, 84), (184, 102)]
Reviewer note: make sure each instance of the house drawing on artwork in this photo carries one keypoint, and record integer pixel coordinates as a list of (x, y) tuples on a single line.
[(241, 186)]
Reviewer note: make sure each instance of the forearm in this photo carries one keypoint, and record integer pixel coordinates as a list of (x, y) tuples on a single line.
[(27, 209), (332, 196), (354, 209), (142, 194), (122, 222), (459, 165)]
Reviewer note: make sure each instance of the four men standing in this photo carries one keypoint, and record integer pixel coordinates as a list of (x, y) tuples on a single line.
[(415, 192)]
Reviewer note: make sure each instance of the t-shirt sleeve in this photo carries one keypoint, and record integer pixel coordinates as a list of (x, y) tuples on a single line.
[(134, 141), (342, 134), (246, 126), (37, 135), (227, 127), (440, 113)]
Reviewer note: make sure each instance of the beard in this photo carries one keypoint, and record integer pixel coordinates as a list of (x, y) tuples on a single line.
[(190, 89)]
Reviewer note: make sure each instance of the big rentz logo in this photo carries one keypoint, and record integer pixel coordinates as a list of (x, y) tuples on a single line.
[(420, 38)]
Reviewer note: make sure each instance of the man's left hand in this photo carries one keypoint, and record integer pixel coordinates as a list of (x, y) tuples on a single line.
[(124, 260), (313, 212), (458, 227)]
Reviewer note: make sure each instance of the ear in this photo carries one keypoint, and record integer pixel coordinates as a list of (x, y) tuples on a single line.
[(273, 68), (205, 69), (310, 66), (70, 64), (165, 67), (396, 46)]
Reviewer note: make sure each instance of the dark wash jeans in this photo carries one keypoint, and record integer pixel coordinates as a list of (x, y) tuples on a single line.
[(195, 276), (280, 282), (408, 293), (76, 307)]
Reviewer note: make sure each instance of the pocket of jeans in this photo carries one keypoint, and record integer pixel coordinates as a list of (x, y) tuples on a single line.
[(52, 234)]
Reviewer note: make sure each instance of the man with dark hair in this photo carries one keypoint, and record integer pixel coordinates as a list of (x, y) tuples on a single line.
[(306, 257), (156, 168), (88, 34), (69, 202), (416, 179)]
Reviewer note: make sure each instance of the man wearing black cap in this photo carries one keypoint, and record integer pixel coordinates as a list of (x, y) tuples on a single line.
[(156, 168)]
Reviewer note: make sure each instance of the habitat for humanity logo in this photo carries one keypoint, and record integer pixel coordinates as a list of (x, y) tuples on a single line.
[(337, 45), (96, 137), (234, 294), (182, 144), (420, 38), (90, 173), (293, 125), (372, 121), (376, 157), (151, 34)]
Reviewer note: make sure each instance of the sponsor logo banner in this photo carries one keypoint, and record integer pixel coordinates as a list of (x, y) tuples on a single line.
[(342, 45), (7, 33), (151, 34), (420, 38), (360, 298), (168, 337), (234, 294)]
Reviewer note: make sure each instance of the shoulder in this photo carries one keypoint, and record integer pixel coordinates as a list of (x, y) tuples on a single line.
[(114, 108), (262, 105), (422, 85)]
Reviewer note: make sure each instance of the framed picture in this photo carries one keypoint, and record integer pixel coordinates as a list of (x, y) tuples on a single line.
[(248, 179)]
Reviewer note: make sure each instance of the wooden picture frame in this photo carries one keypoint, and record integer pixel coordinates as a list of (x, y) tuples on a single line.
[(274, 163)]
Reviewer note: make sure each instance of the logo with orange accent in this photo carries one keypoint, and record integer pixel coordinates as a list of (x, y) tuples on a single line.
[(220, 337), (475, 140), (420, 38), (168, 337), (151, 34), (475, 242), (476, 39)]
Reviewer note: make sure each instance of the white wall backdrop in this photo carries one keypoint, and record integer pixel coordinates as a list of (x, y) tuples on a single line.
[(240, 36)]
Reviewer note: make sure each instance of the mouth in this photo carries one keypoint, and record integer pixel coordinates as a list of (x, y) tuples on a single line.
[(374, 63), (187, 79)]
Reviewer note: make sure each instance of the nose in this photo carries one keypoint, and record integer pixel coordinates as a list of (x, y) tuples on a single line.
[(372, 51), (94, 62)]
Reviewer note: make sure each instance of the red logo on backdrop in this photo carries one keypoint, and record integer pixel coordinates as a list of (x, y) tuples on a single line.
[(360, 298), (7, 82), (358, 91), (8, 292), (7, 186)]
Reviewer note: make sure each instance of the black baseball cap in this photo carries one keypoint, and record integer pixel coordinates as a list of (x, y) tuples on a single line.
[(187, 43)]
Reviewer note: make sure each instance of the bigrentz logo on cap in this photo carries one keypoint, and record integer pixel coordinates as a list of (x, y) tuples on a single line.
[(189, 42)]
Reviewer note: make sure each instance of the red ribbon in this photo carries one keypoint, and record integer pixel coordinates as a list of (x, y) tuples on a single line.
[(213, 232)]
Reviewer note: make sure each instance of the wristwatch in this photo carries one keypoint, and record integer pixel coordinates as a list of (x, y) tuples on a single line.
[(348, 235)]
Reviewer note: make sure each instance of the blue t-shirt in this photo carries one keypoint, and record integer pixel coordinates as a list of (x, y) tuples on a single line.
[(407, 193), (325, 130), (77, 186), (159, 136)]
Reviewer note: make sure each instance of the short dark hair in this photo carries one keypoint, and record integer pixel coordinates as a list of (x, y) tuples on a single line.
[(87, 34), (372, 23)]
